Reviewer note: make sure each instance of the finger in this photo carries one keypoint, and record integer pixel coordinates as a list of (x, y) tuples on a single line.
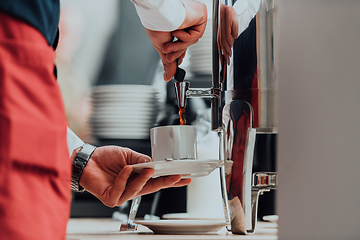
[(177, 46), (188, 35), (114, 192), (224, 50), (222, 43), (235, 28), (191, 33), (156, 184), (225, 47), (182, 182), (181, 58), (133, 157), (148, 190), (219, 47), (225, 35), (221, 56), (171, 57), (229, 33), (169, 69), (136, 185)]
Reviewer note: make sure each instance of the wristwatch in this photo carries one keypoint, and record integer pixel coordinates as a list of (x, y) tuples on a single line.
[(79, 164)]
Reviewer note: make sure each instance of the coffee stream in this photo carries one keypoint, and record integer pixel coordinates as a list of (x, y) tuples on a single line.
[(182, 115)]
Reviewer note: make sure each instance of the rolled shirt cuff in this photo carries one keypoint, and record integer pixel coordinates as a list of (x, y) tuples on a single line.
[(161, 15), (73, 141), (246, 11)]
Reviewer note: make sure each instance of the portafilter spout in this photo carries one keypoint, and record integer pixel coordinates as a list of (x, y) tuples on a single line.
[(181, 88)]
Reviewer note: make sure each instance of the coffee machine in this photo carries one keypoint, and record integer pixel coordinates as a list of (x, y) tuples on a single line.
[(243, 104)]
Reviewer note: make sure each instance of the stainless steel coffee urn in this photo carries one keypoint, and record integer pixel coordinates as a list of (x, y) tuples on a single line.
[(243, 101)]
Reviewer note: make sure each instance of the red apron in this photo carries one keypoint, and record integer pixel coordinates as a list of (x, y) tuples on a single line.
[(34, 163)]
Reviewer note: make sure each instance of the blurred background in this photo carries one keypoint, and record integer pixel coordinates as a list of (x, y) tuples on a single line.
[(103, 43), (111, 79)]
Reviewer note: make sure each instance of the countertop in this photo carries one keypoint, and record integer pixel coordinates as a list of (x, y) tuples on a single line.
[(107, 229)]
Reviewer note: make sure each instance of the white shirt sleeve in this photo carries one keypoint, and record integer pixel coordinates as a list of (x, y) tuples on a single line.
[(160, 15), (73, 141), (246, 11)]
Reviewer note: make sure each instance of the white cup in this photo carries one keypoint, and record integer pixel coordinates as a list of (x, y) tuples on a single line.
[(173, 143)]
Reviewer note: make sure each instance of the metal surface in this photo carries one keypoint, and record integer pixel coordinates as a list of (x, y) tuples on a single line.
[(248, 102), (268, 180), (199, 92), (223, 188), (239, 148), (252, 65), (181, 88), (130, 226), (262, 182), (243, 102)]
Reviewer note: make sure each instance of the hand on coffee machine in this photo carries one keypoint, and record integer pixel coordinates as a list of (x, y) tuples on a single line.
[(189, 32), (227, 32), (109, 176), (233, 20)]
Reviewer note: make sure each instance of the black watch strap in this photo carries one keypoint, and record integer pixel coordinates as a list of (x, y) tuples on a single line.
[(79, 164)]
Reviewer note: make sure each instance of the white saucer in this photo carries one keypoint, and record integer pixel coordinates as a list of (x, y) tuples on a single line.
[(271, 218), (183, 226), (185, 168), (187, 216)]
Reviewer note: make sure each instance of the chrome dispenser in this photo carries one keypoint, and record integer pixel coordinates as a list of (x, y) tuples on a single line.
[(242, 104)]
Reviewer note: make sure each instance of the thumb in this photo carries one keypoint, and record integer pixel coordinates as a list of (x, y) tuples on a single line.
[(136, 158)]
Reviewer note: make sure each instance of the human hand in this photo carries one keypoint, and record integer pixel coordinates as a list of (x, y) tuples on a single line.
[(109, 176), (190, 31), (227, 32)]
